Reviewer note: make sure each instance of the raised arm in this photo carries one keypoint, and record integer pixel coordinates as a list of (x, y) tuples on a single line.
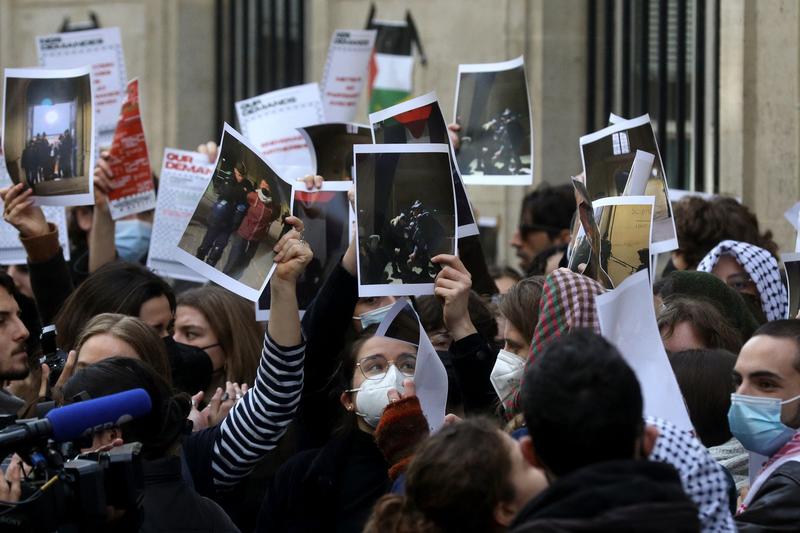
[(102, 249), (258, 421)]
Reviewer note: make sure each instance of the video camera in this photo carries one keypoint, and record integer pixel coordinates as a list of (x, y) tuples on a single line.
[(89, 492)]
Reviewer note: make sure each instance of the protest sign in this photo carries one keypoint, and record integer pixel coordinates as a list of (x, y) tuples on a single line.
[(628, 320), (48, 133), (496, 136), (406, 215), (181, 183), (102, 49), (237, 221), (345, 73), (132, 189)]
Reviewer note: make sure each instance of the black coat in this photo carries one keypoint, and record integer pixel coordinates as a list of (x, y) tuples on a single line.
[(171, 504), (776, 505), (330, 489), (619, 496)]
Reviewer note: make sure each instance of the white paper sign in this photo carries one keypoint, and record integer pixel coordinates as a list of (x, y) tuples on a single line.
[(268, 121), (628, 320), (345, 73), (430, 376), (184, 176), (102, 49), (640, 173)]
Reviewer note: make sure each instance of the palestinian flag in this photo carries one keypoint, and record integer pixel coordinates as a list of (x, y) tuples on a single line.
[(391, 68)]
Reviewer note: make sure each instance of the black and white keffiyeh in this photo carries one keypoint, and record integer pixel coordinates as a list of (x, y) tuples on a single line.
[(701, 476), (762, 268)]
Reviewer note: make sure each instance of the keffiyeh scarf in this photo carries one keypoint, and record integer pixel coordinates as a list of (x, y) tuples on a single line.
[(762, 268), (567, 303)]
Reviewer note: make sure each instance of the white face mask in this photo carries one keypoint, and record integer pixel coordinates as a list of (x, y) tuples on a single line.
[(506, 373), (372, 396)]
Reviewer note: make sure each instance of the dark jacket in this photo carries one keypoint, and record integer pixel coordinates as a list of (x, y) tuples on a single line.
[(618, 496), (330, 489), (171, 504), (776, 505), (327, 327), (473, 359)]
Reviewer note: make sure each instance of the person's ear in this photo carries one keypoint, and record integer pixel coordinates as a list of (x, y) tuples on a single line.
[(679, 260), (649, 438), (346, 400), (504, 513), (528, 452)]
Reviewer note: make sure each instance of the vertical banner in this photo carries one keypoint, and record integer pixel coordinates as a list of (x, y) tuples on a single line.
[(345, 73), (133, 190), (102, 49)]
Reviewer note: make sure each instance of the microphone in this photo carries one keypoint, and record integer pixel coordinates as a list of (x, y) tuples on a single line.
[(79, 419)]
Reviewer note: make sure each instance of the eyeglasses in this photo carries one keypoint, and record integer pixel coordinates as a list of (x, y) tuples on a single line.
[(740, 282), (376, 366)]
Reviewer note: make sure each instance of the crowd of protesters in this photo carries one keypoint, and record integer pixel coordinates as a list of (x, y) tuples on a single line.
[(314, 424)]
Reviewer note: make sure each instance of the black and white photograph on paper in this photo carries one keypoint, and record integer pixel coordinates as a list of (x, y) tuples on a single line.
[(240, 217), (405, 216), (327, 221), (420, 120), (494, 112), (791, 263), (625, 224), (608, 156), (331, 147), (48, 133)]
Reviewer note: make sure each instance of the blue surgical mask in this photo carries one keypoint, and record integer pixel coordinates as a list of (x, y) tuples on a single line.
[(755, 421), (132, 239), (375, 316)]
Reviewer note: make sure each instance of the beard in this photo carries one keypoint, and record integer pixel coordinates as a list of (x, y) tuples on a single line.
[(13, 373)]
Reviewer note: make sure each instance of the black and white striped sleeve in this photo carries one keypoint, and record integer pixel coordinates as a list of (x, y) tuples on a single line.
[(258, 421)]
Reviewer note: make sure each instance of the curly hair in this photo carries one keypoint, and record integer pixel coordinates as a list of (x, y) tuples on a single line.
[(702, 224)]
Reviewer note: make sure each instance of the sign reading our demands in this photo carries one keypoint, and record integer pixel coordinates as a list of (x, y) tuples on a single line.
[(345, 73), (184, 176), (102, 49)]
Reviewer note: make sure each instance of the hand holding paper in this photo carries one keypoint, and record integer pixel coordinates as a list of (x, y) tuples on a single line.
[(292, 253), (21, 213)]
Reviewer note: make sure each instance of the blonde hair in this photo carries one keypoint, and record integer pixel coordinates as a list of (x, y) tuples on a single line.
[(131, 330), (233, 321)]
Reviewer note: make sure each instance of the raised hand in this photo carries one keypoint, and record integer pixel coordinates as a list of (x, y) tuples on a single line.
[(292, 253), (452, 287), (20, 212), (210, 149)]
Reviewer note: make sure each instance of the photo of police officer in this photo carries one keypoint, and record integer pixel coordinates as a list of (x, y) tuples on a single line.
[(493, 112), (406, 216), (240, 216)]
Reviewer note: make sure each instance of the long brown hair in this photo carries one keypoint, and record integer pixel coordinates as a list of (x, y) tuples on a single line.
[(141, 337), (453, 484), (233, 321), (520, 305)]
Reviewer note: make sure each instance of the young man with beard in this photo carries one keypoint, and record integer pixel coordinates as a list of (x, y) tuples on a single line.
[(13, 335)]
